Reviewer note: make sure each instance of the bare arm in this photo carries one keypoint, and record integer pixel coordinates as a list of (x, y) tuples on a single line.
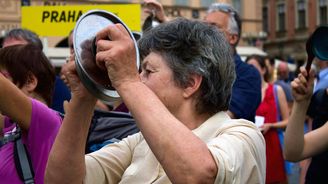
[(184, 157), (12, 99), (284, 111), (296, 147), (66, 162), (155, 8)]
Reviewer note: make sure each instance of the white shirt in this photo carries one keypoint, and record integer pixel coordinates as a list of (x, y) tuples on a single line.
[(237, 146)]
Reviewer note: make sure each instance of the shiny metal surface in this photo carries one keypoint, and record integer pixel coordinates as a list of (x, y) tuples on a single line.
[(317, 46), (96, 80), (320, 43)]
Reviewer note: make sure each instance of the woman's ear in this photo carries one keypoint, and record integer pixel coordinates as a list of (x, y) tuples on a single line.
[(30, 84), (193, 86)]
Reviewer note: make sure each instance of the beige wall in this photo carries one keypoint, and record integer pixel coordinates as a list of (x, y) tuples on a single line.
[(9, 15)]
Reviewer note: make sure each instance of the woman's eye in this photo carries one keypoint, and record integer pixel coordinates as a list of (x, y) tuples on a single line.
[(148, 71)]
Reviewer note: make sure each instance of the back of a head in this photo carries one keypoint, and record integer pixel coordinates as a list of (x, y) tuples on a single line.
[(235, 25), (23, 60), (23, 35), (283, 71), (193, 47)]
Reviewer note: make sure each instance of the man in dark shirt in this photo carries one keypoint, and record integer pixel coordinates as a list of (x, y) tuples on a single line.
[(246, 91), (318, 111)]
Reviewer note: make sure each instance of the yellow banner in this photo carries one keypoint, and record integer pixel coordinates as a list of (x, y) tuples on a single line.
[(60, 20)]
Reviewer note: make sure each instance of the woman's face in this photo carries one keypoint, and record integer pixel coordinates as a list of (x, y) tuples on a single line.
[(6, 74), (159, 78)]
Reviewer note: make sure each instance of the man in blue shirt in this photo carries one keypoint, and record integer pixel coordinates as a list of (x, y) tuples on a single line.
[(322, 76), (246, 91)]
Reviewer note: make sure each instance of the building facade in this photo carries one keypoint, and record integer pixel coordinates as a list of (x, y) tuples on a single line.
[(251, 13), (289, 23)]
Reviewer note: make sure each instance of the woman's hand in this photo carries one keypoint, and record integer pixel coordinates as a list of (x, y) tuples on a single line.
[(156, 9), (302, 86), (71, 78), (265, 128), (118, 55)]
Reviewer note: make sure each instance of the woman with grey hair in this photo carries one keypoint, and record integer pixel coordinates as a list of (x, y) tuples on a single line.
[(178, 102), (246, 91)]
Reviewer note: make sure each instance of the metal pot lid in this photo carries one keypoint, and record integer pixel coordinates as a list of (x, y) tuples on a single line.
[(93, 78), (320, 43)]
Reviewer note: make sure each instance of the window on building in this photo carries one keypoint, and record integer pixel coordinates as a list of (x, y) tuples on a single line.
[(25, 2), (301, 14), (207, 3), (237, 5), (265, 18), (323, 6), (195, 14), (182, 2), (281, 17)]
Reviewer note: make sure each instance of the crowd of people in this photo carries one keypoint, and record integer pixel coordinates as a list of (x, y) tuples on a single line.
[(202, 115)]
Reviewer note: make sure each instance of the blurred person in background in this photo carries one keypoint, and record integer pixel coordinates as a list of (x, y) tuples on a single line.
[(322, 75), (270, 63), (27, 81), (299, 146), (282, 80), (24, 36), (273, 104)]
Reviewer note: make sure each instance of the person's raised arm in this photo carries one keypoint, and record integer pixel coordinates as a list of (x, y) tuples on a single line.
[(66, 162), (295, 147), (156, 9), (12, 99), (184, 157)]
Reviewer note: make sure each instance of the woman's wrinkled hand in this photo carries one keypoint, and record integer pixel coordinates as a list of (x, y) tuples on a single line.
[(116, 50)]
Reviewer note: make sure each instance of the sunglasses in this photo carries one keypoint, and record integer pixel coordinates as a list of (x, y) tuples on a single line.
[(225, 8)]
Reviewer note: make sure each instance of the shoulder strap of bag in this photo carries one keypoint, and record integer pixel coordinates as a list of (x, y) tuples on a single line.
[(22, 161), (276, 98)]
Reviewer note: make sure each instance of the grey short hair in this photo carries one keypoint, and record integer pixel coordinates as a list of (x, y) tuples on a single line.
[(193, 47), (234, 26), (24, 34)]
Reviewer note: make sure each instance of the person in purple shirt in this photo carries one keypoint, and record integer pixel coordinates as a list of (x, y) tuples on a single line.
[(24, 36), (27, 82)]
